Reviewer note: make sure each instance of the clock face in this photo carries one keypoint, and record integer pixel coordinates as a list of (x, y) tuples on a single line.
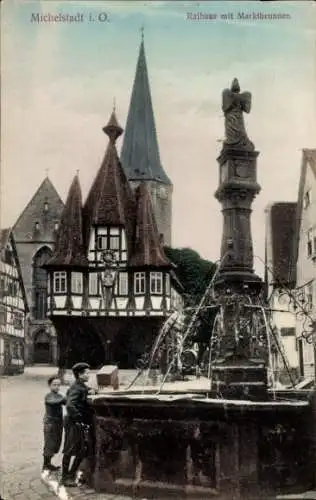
[(242, 168), (109, 256), (242, 171)]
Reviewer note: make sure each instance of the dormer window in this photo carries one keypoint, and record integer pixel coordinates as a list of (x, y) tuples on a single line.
[(76, 282), (114, 242), (60, 282), (123, 283), (156, 283), (45, 206), (101, 242), (139, 283), (37, 226)]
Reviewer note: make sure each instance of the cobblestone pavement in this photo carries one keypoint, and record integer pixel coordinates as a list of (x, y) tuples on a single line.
[(21, 434)]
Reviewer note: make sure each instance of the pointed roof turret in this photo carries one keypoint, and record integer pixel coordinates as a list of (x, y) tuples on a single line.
[(110, 199), (69, 249), (148, 249), (140, 152)]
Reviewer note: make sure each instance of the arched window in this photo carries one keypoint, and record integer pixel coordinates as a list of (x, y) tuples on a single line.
[(40, 283)]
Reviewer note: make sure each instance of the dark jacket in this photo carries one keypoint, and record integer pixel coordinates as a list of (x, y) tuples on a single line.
[(53, 406), (53, 423), (78, 409)]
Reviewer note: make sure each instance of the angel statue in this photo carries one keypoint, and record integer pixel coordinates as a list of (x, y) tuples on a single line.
[(234, 104)]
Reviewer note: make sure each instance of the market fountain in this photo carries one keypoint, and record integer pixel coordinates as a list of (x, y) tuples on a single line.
[(226, 435)]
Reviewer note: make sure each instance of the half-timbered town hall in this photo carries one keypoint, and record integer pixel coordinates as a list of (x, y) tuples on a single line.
[(110, 284)]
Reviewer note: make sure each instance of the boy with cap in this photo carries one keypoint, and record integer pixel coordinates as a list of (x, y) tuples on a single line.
[(78, 424)]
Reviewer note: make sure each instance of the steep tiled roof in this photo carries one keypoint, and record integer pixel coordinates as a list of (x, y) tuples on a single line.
[(282, 233), (6, 238), (34, 212), (148, 249), (110, 201), (308, 158), (69, 249), (140, 152)]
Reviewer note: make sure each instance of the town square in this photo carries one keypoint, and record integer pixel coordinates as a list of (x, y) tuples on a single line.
[(158, 251)]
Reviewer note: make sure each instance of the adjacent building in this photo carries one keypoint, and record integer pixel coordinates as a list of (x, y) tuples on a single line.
[(280, 283), (291, 272), (35, 235), (304, 251), (111, 285), (13, 307)]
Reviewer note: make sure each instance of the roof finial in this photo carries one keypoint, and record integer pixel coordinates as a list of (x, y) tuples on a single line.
[(114, 104), (113, 129), (77, 172), (142, 28), (47, 171)]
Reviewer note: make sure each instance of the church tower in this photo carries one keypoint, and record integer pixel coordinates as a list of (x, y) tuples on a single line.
[(140, 152), (35, 237)]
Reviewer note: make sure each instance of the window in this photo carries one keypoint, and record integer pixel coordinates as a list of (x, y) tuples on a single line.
[(56, 226), (76, 282), (123, 284), (9, 256), (309, 242), (60, 282), (3, 315), (101, 242), (36, 226), (114, 242), (139, 283), (12, 289), (2, 287), (156, 283), (287, 332), (45, 206), (93, 284), (307, 199), (167, 284), (18, 321)]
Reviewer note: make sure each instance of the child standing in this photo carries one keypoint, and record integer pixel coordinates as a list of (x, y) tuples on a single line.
[(53, 422)]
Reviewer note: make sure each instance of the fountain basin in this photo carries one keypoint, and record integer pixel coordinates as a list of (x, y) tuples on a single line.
[(192, 445)]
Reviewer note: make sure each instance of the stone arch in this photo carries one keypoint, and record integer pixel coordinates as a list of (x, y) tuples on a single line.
[(39, 282), (42, 347)]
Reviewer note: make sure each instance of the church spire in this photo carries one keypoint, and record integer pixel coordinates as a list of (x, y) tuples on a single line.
[(140, 152)]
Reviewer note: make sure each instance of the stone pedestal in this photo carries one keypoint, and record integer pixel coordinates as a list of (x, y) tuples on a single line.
[(237, 189)]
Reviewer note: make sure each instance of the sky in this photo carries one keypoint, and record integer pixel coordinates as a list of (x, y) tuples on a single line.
[(59, 81)]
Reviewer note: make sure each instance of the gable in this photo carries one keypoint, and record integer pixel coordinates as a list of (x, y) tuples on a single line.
[(35, 212), (307, 178), (9, 255)]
